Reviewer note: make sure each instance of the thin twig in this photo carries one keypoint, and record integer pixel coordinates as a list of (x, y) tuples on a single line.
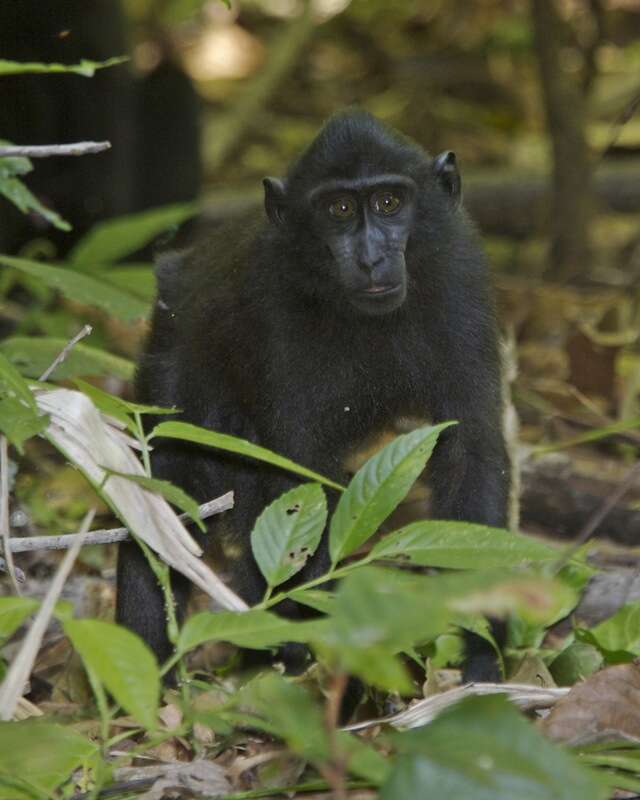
[(48, 150), (596, 519), (28, 543), (4, 512), (18, 672), (616, 129), (85, 331)]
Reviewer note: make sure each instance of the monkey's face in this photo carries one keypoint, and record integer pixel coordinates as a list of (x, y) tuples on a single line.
[(356, 233), (364, 225)]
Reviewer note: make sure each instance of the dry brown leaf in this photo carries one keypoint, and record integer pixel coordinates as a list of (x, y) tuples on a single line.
[(604, 707)]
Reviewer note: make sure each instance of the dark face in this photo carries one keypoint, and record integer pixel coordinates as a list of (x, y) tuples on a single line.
[(365, 225)]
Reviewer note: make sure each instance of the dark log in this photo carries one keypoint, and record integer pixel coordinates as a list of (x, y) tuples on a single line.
[(561, 494)]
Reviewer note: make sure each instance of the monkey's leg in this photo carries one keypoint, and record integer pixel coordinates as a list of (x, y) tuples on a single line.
[(140, 601)]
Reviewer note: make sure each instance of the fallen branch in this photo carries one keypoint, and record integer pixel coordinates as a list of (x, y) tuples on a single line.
[(48, 150), (110, 535), (425, 711)]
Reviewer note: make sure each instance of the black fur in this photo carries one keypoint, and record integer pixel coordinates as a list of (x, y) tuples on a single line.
[(255, 336)]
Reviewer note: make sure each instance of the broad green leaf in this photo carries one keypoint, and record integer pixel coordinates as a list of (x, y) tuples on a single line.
[(461, 545), (15, 788), (85, 67), (17, 193), (43, 753), (232, 444), (33, 354), (114, 239), (19, 417), (13, 612), (256, 629), (621, 631), (378, 487), (82, 288), (484, 749), (13, 382), (378, 613), (173, 494), (575, 663), (287, 710), (19, 423), (288, 532), (137, 280), (122, 662)]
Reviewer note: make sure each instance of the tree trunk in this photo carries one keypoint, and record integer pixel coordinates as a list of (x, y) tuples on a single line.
[(572, 205)]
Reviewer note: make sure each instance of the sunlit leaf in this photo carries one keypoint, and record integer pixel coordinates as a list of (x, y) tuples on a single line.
[(85, 67), (378, 487)]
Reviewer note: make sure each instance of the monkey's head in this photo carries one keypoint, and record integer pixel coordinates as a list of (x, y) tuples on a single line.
[(349, 205)]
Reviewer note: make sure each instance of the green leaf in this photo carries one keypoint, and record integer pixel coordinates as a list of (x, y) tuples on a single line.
[(13, 165), (13, 612), (84, 67), (173, 494), (256, 629), (575, 663), (288, 532), (81, 288), (376, 614), (112, 240), (288, 711), (378, 487), (13, 383), (33, 354), (19, 423), (621, 631), (137, 280), (484, 749), (17, 193), (19, 417), (461, 545), (116, 407), (232, 444), (122, 662), (45, 754)]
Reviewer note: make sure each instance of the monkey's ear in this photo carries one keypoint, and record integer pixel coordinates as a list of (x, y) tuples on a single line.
[(445, 169), (275, 200)]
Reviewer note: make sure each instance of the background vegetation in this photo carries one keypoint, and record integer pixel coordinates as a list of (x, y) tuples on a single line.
[(198, 102)]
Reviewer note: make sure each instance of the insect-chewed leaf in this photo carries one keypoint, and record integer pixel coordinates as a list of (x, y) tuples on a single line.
[(378, 487), (288, 531)]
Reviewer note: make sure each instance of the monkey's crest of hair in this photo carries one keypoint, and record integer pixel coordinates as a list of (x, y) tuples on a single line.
[(366, 147)]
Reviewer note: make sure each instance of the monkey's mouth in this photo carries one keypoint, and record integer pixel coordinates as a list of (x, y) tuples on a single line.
[(382, 289)]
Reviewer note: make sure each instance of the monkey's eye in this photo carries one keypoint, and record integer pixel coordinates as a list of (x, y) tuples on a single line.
[(384, 202), (343, 208)]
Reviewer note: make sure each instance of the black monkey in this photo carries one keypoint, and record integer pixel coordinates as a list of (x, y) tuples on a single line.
[(364, 299)]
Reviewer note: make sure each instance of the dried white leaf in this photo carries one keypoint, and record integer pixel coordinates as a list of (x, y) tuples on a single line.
[(90, 442)]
